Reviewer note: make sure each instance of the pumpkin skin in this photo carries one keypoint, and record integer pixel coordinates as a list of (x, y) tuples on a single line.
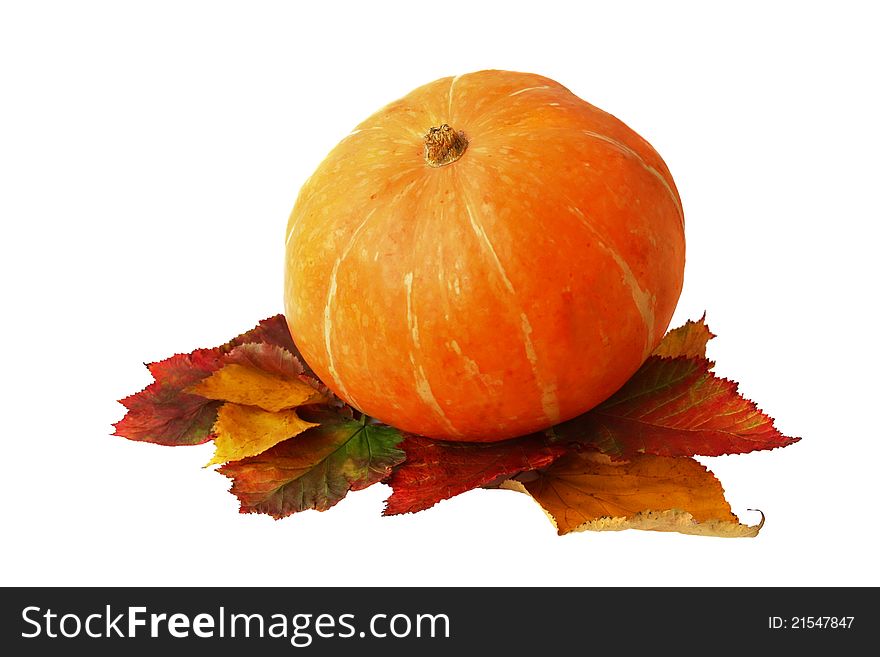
[(497, 294)]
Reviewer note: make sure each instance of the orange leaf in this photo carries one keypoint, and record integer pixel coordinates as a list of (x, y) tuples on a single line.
[(587, 491), (688, 341), (242, 431)]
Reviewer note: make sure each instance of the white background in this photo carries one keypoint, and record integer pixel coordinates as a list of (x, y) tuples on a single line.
[(151, 152)]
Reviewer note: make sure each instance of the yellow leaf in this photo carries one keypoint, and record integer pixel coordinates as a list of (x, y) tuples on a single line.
[(246, 385), (588, 491), (243, 431)]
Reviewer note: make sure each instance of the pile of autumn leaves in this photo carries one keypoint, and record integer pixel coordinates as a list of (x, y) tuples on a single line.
[(288, 444)]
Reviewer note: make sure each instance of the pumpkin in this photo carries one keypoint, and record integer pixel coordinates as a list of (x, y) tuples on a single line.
[(483, 258)]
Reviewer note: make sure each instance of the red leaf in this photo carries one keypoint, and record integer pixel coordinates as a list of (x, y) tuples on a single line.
[(435, 471), (273, 330), (163, 413), (267, 357), (678, 407)]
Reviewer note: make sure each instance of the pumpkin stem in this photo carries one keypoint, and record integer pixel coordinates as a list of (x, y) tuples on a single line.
[(444, 146)]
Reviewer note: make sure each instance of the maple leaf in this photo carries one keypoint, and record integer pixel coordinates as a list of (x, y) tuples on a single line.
[(315, 469), (242, 431), (676, 407), (688, 341), (435, 471), (587, 491)]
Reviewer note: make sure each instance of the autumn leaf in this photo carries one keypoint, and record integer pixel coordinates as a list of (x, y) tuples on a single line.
[(272, 330), (435, 471), (242, 431), (167, 414), (269, 358), (261, 375), (184, 420), (677, 407), (288, 444), (162, 413), (587, 491), (687, 341), (315, 469), (277, 356)]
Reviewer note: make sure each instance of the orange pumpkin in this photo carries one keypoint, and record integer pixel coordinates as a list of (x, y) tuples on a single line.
[(483, 258)]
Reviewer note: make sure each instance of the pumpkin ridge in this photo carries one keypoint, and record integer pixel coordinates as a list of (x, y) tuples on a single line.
[(423, 386), (642, 300), (623, 148), (327, 315), (484, 118), (522, 91), (449, 104), (547, 392), (645, 302), (331, 294)]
